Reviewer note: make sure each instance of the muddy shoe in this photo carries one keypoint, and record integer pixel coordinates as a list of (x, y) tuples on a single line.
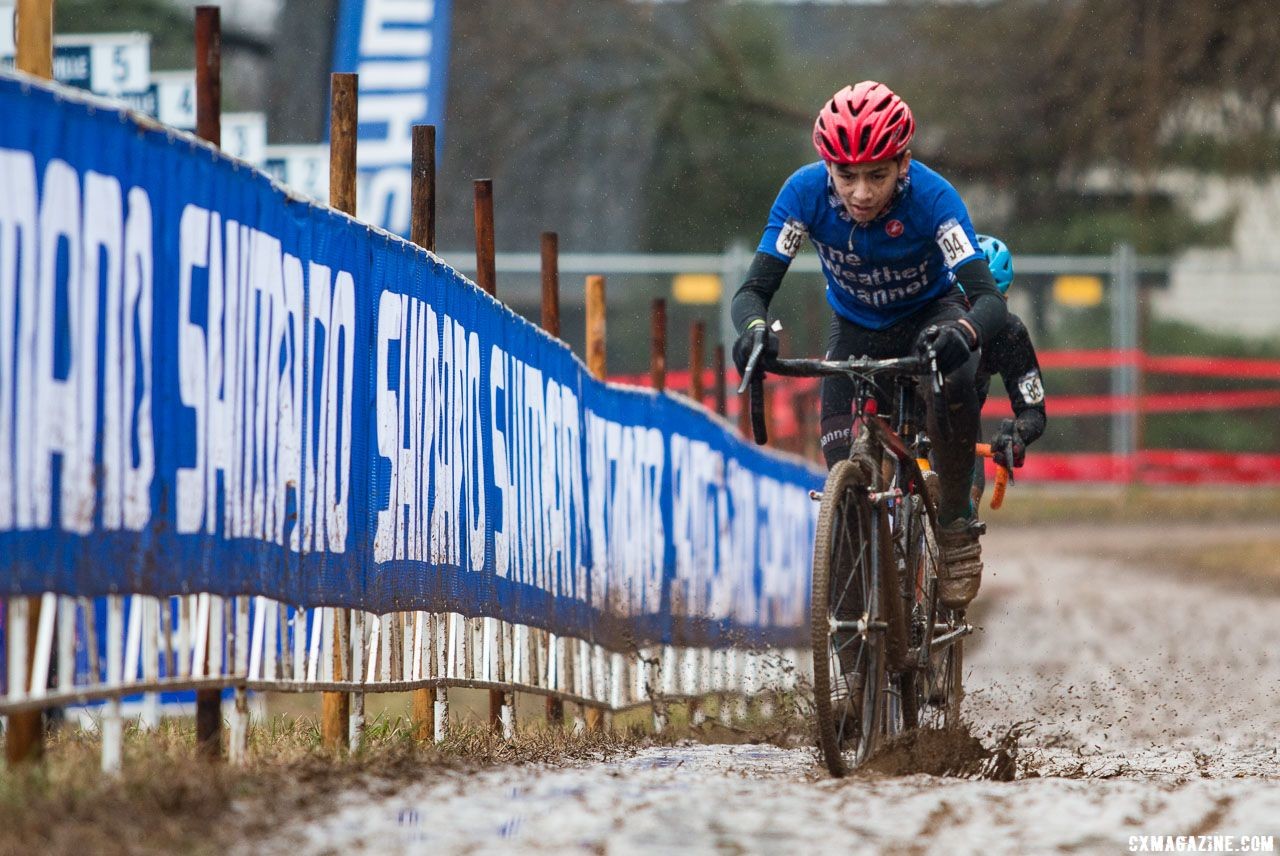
[(933, 487), (960, 571)]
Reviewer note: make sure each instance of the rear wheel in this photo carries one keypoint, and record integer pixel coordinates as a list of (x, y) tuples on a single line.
[(847, 618), (934, 693)]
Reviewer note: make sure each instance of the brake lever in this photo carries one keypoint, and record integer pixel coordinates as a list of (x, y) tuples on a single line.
[(749, 372), (1008, 454), (935, 375)]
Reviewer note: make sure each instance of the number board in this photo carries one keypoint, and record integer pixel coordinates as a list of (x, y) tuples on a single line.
[(110, 64), (304, 168), (244, 136), (7, 46), (175, 97)]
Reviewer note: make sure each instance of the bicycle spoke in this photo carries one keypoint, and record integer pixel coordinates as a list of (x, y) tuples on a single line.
[(861, 549), (841, 647)]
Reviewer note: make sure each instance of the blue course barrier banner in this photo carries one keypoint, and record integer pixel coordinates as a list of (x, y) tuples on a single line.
[(400, 50), (207, 386)]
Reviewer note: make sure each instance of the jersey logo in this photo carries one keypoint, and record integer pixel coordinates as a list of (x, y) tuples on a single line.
[(1031, 387), (954, 243), (893, 228), (791, 238)]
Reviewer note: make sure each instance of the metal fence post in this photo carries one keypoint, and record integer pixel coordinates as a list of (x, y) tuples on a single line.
[(733, 270), (1124, 374)]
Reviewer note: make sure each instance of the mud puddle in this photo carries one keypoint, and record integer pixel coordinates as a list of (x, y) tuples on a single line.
[(1106, 700)]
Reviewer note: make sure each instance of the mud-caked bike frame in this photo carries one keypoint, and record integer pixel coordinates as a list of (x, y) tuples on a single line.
[(887, 656)]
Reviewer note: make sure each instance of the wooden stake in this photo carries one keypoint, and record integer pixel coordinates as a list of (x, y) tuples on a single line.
[(209, 74), (802, 423), (343, 116), (555, 711), (424, 712), (597, 362), (697, 348), (595, 718), (335, 720), (34, 37), (422, 231), (658, 344), (496, 701), (486, 277), (551, 283), (25, 738), (722, 404), (209, 127), (335, 707), (422, 227)]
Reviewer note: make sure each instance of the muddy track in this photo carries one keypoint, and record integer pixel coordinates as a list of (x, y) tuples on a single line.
[(1145, 702)]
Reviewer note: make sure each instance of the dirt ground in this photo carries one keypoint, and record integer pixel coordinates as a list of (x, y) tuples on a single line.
[(1145, 690)]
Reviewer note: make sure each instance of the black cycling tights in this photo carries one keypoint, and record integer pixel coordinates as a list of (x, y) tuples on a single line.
[(953, 435)]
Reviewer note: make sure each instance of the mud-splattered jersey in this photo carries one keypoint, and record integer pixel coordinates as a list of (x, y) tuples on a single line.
[(883, 271)]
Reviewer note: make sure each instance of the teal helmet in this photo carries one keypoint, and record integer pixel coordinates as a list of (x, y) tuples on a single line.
[(999, 259)]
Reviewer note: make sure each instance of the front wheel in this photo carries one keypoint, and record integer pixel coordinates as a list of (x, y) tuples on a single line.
[(847, 617)]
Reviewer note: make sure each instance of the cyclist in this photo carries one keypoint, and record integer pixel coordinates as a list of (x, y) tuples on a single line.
[(894, 239), (1011, 355)]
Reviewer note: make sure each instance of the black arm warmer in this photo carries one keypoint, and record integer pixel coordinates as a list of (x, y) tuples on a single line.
[(987, 307), (1012, 355), (764, 278)]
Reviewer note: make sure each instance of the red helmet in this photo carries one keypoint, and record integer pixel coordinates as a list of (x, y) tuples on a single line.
[(863, 123)]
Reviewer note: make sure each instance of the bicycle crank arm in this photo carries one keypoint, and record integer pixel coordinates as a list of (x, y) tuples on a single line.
[(936, 644), (946, 639)]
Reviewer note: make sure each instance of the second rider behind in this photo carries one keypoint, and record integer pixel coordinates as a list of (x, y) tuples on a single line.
[(1011, 355), (894, 239)]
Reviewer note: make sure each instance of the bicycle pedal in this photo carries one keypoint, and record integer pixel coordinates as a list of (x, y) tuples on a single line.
[(978, 527)]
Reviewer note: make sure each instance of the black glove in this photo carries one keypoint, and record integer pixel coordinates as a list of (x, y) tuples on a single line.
[(747, 341), (1007, 436), (951, 341)]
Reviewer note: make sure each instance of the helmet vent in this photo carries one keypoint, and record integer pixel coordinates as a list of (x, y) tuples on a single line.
[(865, 138), (844, 140)]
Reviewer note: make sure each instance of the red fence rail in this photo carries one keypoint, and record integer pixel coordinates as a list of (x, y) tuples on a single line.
[(1146, 466)]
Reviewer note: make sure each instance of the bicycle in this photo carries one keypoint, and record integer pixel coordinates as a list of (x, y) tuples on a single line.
[(887, 656)]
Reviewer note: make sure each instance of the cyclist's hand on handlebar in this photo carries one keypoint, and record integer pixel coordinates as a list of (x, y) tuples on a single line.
[(952, 341), (1008, 441), (756, 331)]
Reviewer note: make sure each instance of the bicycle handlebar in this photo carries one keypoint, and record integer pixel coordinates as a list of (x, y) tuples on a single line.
[(1004, 477), (753, 376), (853, 365)]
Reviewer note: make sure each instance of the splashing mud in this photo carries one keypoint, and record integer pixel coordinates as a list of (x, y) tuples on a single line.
[(954, 752)]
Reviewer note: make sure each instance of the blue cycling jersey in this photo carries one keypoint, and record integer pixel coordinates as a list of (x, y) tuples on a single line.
[(883, 271)]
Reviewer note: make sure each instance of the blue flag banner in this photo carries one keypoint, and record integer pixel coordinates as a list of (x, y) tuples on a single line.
[(208, 386), (400, 50)]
